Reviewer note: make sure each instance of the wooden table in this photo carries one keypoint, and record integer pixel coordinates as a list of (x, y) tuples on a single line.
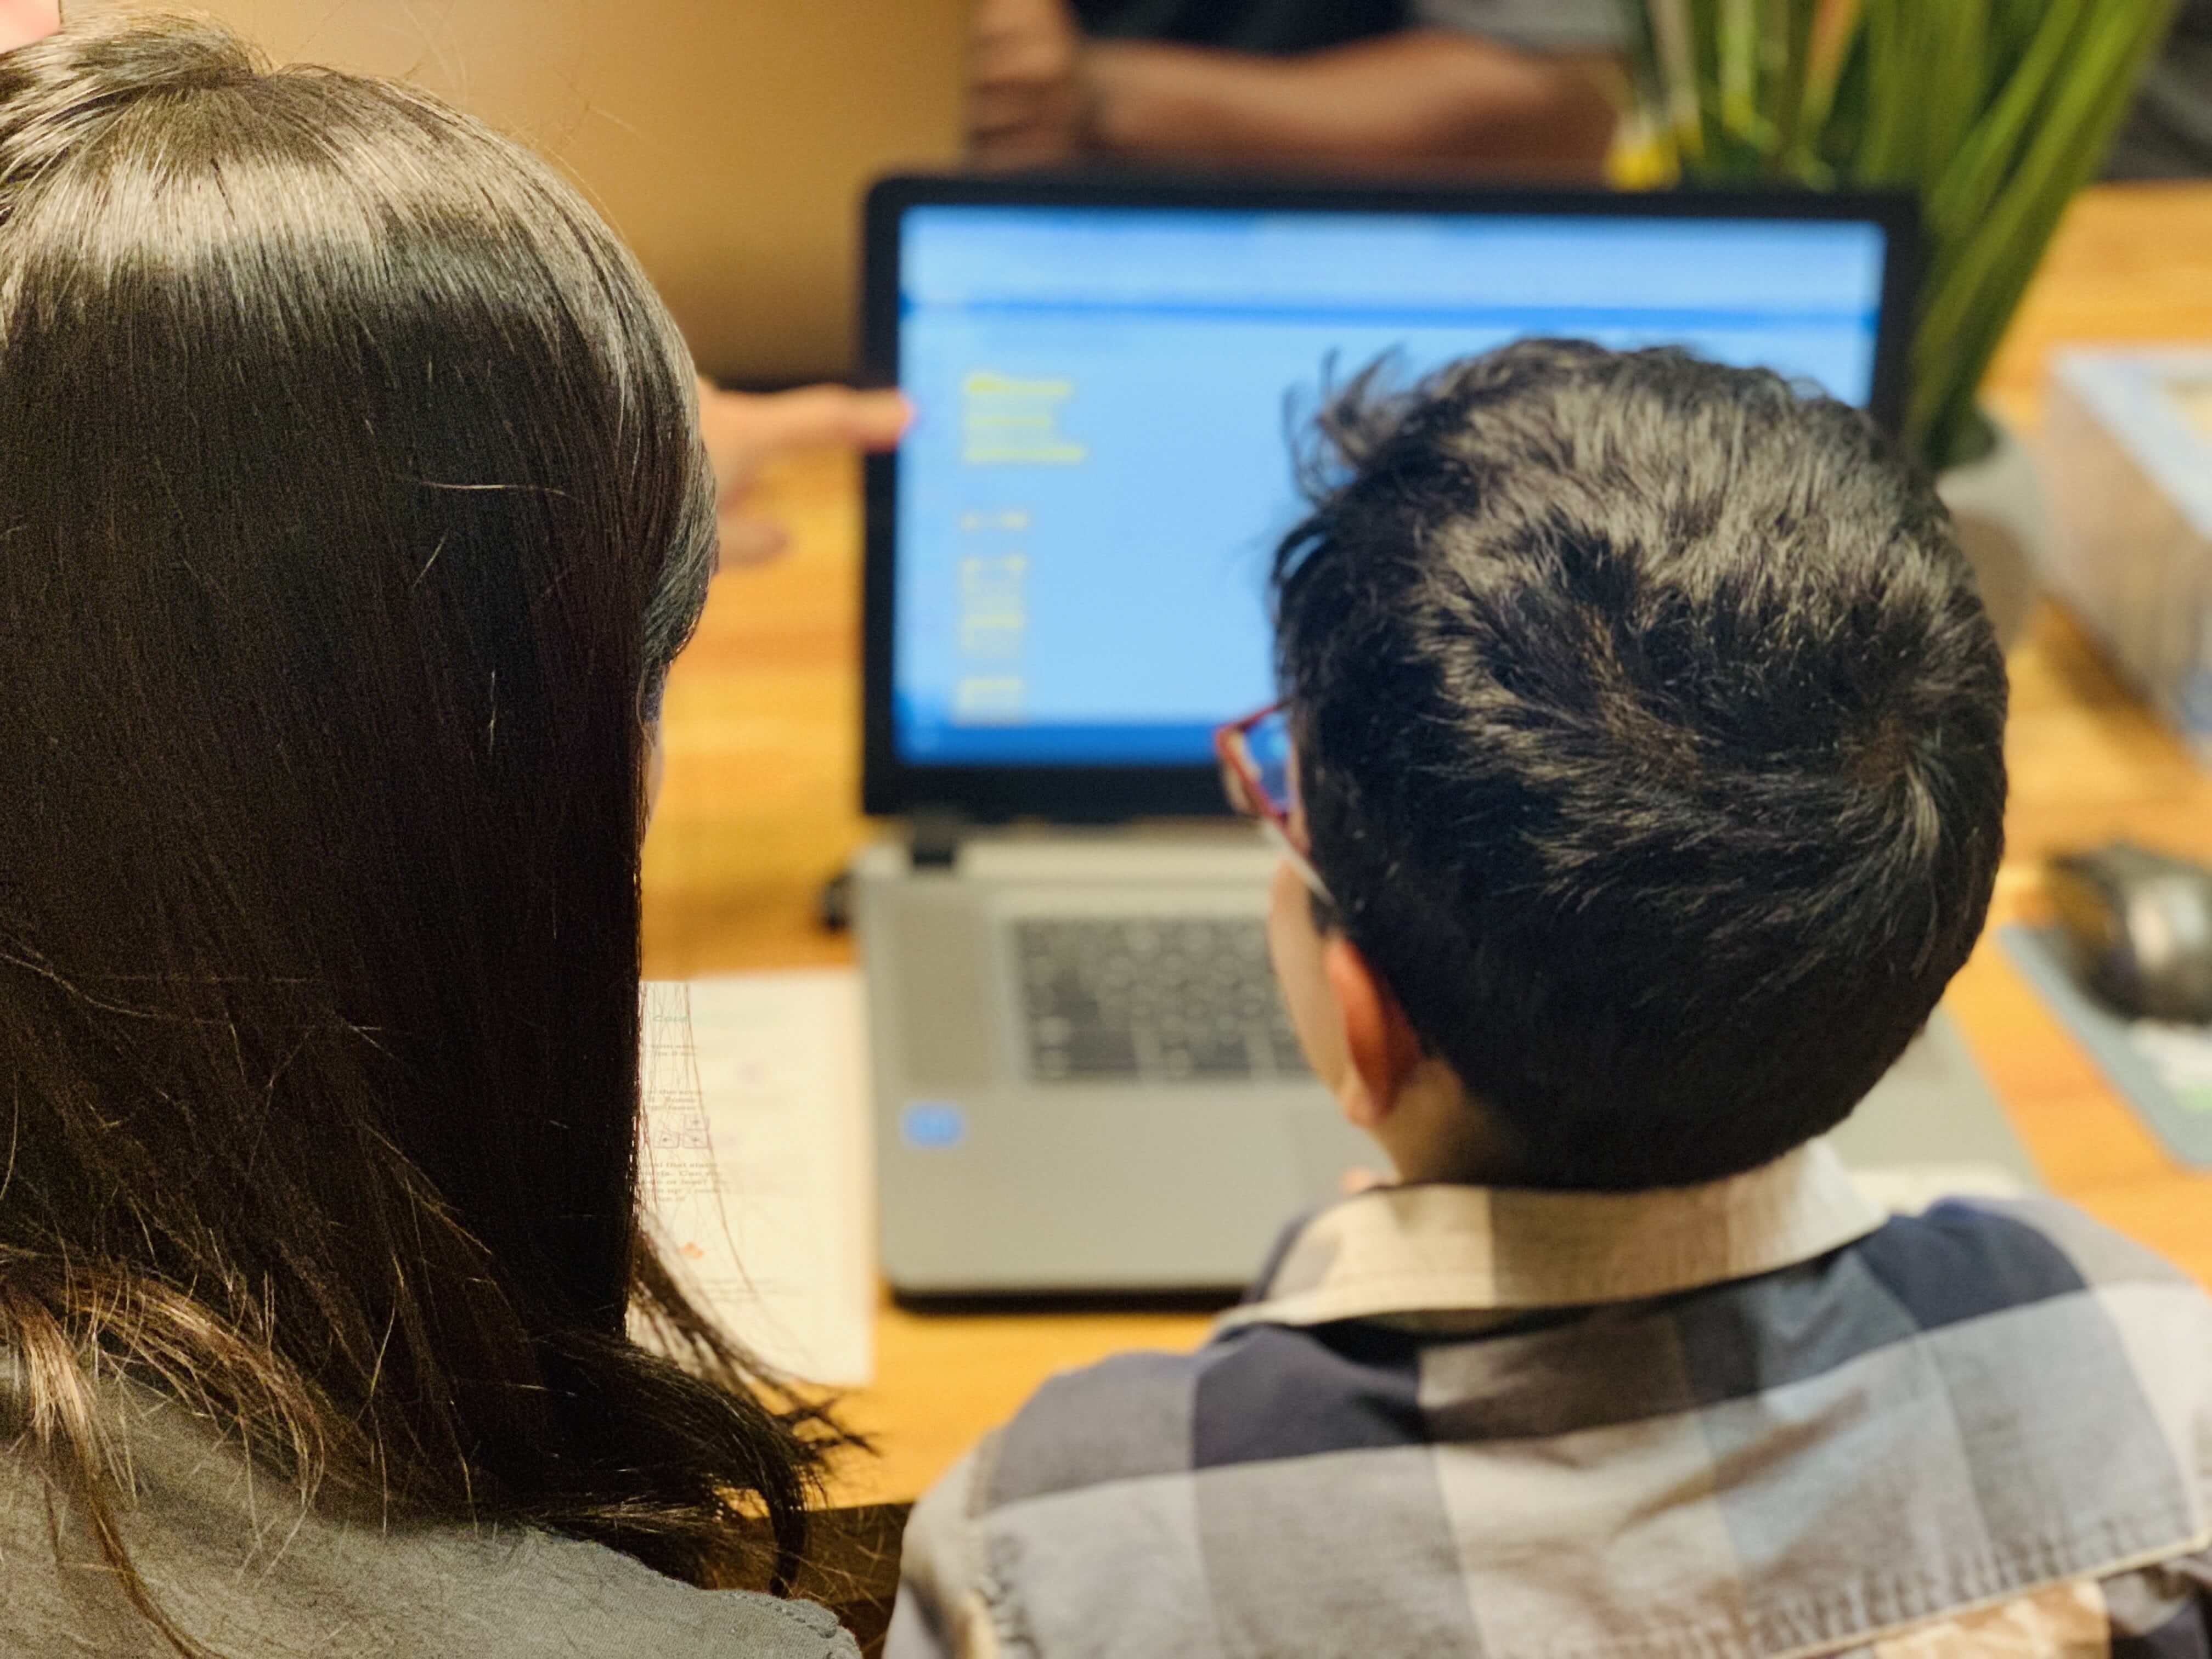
[(761, 805)]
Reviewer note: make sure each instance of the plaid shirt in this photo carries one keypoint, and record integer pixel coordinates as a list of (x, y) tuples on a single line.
[(1754, 1418)]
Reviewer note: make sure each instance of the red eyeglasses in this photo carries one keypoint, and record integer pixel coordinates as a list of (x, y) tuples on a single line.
[(1260, 775)]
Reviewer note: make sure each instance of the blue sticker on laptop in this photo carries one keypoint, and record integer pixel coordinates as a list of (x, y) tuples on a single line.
[(933, 1126)]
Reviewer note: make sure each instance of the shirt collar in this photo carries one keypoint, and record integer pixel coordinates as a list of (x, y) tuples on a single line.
[(1441, 1249)]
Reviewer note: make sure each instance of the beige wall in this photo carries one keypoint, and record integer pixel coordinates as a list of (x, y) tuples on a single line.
[(728, 140)]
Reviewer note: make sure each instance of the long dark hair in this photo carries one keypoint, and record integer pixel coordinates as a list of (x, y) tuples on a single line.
[(352, 510)]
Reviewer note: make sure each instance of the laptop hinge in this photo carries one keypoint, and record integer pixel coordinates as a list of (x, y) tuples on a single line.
[(934, 838)]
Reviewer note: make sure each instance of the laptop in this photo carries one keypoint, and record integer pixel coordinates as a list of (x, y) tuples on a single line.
[(1082, 1080)]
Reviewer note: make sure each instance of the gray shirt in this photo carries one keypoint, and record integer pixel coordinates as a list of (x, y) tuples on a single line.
[(238, 1563), (1532, 25)]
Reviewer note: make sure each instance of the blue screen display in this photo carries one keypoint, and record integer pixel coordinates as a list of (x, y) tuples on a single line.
[(1099, 466)]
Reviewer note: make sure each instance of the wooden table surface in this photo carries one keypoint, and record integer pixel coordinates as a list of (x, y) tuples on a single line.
[(760, 805)]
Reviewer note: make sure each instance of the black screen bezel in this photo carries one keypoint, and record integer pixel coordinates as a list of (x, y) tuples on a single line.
[(891, 786)]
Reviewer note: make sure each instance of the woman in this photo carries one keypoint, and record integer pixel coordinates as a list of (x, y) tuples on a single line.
[(352, 508)]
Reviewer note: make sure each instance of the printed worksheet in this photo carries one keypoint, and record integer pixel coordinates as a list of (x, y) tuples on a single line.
[(754, 1162)]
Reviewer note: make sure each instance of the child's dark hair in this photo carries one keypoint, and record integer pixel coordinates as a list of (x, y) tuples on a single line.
[(1651, 744)]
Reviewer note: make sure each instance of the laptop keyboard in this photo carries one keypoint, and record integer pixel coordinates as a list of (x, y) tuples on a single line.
[(1185, 1000)]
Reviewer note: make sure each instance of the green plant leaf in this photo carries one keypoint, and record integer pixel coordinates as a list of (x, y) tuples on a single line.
[(1994, 111), (1786, 62), (1977, 290)]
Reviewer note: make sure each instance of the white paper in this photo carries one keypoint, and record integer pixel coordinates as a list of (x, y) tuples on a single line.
[(2182, 1057), (755, 1163), (2195, 398)]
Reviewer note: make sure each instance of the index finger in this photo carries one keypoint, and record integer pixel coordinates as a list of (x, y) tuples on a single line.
[(822, 418)]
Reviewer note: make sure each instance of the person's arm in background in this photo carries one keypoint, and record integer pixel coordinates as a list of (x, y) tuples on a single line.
[(745, 430), (1042, 92)]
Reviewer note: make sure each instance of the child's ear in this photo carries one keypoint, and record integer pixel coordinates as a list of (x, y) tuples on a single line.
[(1380, 1041)]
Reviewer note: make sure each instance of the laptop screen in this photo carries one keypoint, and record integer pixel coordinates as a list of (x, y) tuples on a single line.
[(1099, 467)]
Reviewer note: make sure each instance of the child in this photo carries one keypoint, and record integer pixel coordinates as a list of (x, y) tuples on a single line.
[(1647, 789)]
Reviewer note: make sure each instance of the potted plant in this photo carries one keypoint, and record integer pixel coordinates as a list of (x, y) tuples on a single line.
[(1994, 112)]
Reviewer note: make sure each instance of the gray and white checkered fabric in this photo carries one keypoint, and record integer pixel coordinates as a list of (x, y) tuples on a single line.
[(1985, 1429)]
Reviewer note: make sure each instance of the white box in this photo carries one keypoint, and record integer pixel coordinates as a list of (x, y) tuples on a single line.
[(2127, 449)]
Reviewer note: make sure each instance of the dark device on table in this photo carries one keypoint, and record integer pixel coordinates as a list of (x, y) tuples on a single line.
[(2140, 926), (1083, 1081)]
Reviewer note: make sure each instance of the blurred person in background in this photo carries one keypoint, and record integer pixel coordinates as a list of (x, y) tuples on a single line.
[(1507, 86)]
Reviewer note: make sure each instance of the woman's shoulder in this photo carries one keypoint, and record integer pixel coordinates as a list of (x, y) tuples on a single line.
[(562, 1595), (244, 1566)]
